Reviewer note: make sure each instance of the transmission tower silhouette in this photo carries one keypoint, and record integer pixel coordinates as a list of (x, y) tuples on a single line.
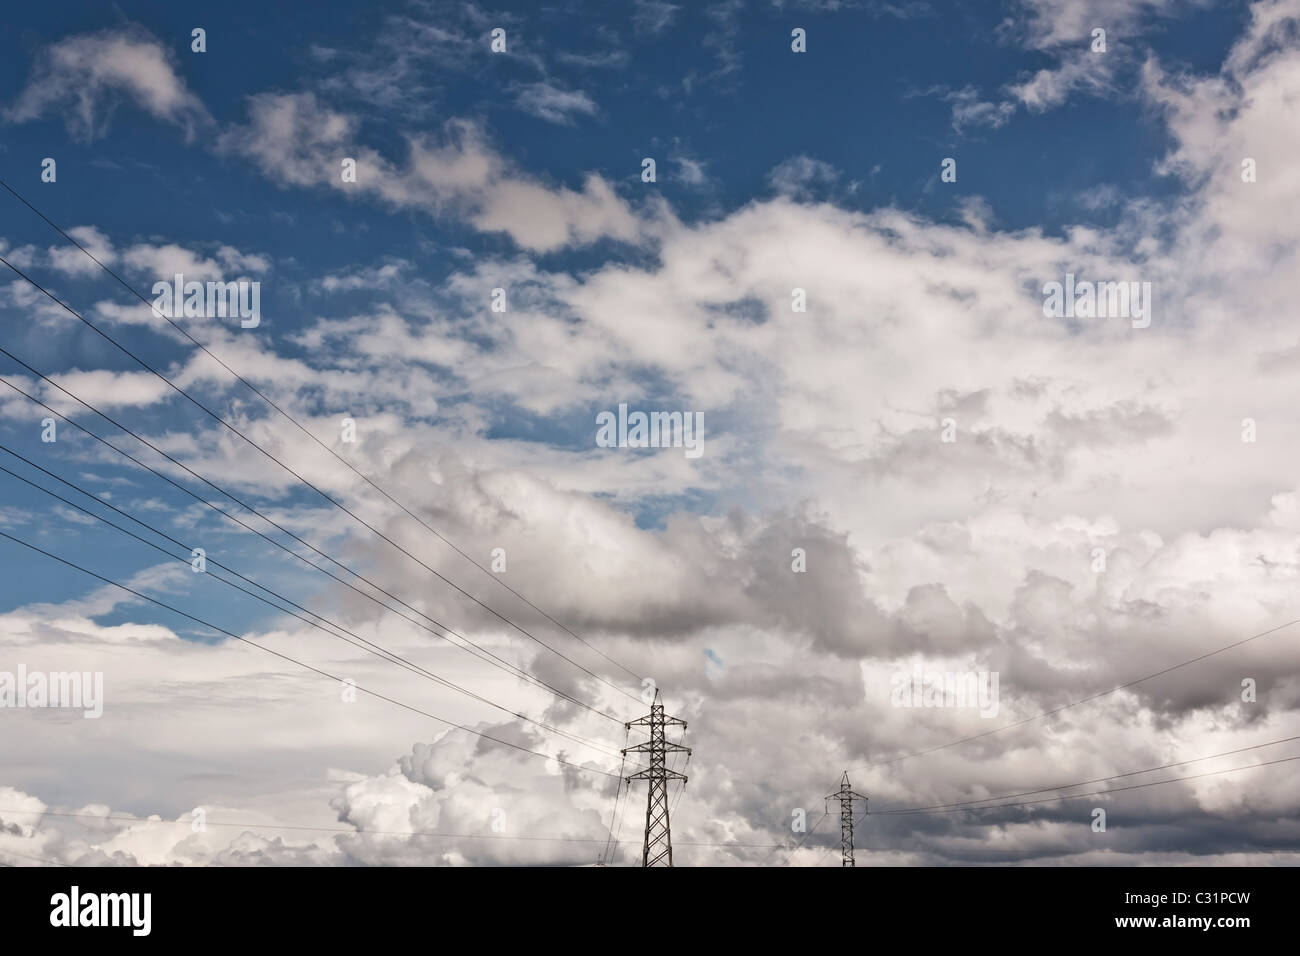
[(658, 847), (846, 796)]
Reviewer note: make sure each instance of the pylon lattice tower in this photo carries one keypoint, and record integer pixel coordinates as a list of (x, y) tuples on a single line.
[(846, 796), (658, 847)]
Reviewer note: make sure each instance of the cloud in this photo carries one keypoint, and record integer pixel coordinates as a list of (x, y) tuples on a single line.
[(106, 389), (1048, 24), (1049, 88), (297, 141), (1101, 196), (409, 54), (166, 260), (1063, 30), (71, 261), (691, 171), (969, 110), (378, 277), (654, 16), (86, 75), (799, 176), (549, 102)]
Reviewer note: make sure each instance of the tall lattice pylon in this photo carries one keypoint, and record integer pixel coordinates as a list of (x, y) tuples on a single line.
[(846, 796), (658, 847)]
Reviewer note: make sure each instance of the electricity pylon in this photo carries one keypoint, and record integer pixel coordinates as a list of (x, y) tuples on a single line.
[(846, 796), (658, 847)]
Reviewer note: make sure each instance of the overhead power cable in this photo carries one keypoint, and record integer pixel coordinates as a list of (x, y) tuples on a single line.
[(1102, 793), (802, 841), (359, 831), (327, 497), (34, 859), (618, 790), (1081, 700), (971, 804), (315, 670), (267, 399), (357, 641), (516, 671)]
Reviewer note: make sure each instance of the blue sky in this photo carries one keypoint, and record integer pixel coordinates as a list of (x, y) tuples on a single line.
[(776, 170)]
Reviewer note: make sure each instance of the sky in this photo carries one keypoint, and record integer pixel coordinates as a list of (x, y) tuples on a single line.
[(921, 471)]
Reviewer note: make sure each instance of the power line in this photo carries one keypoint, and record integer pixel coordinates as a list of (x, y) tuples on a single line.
[(511, 668), (671, 766), (618, 834), (717, 844), (180, 391), (682, 788), (313, 669), (959, 808), (36, 859), (807, 834), (312, 829), (617, 791), (1100, 793), (515, 671), (1082, 700), (1082, 783), (360, 642), (304, 429)]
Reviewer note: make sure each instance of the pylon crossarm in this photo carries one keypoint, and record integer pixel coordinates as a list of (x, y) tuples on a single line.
[(659, 775)]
